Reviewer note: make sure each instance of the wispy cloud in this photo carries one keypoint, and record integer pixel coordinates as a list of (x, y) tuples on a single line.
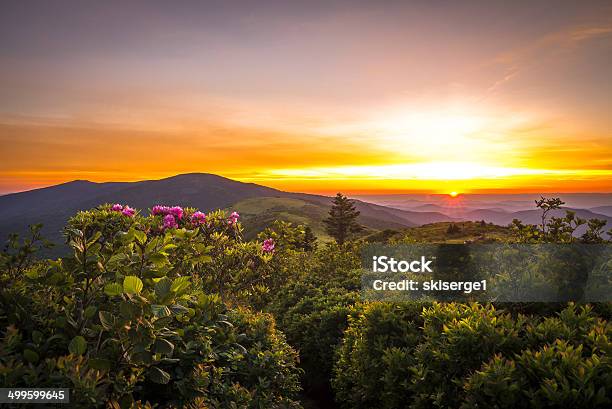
[(521, 58)]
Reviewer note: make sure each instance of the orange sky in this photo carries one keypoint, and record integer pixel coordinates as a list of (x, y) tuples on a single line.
[(352, 98)]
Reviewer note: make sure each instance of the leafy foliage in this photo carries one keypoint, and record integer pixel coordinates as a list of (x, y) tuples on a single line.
[(178, 309), (473, 356), (132, 317)]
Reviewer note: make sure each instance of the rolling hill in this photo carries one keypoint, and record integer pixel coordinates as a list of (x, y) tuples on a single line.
[(53, 205), (501, 209), (258, 205), (533, 216), (605, 210)]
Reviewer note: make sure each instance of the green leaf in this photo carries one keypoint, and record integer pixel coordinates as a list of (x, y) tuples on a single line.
[(30, 356), (178, 309), (159, 259), (115, 258), (56, 278), (94, 238), (113, 289), (94, 249), (142, 357), (163, 346), (106, 319), (162, 287), (129, 236), (100, 364), (140, 236), (180, 284), (77, 346), (132, 285), (160, 311), (90, 311), (158, 375), (37, 336)]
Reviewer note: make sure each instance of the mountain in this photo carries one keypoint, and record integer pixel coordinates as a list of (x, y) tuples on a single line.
[(500, 209), (53, 205), (605, 210), (533, 216), (509, 202)]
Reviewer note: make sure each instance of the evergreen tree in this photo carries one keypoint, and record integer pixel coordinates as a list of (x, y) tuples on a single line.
[(342, 220), (309, 241), (453, 229)]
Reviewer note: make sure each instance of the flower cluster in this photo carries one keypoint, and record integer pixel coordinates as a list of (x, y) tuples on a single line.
[(170, 222), (171, 215), (268, 246), (198, 218), (233, 219), (175, 211), (124, 209)]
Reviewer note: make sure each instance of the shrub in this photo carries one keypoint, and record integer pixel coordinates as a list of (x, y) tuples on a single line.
[(373, 360), (314, 325), (457, 339), (556, 376), (313, 312), (130, 318), (473, 356)]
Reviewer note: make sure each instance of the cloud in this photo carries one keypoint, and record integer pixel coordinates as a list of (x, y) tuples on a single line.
[(542, 48)]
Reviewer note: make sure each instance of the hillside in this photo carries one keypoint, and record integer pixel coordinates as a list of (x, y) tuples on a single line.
[(605, 210), (497, 209), (53, 205), (258, 213), (468, 231), (259, 205), (533, 216)]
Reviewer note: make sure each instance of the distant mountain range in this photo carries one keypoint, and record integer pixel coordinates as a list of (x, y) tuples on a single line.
[(501, 209), (260, 205), (53, 205)]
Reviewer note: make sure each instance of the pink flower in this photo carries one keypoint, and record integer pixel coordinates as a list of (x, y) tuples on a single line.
[(128, 211), (198, 218), (233, 219), (268, 246), (176, 211), (170, 222), (117, 207), (158, 209)]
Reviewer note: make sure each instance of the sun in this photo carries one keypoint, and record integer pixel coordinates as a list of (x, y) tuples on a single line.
[(453, 194)]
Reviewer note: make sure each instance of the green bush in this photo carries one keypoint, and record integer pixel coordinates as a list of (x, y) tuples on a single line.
[(132, 317), (372, 366), (457, 339), (473, 356), (315, 325), (560, 375), (313, 312)]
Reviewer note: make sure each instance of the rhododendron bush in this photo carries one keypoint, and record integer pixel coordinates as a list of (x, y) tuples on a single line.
[(146, 309)]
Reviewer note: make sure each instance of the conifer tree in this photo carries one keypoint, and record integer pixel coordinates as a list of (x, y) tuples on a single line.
[(342, 220), (309, 240)]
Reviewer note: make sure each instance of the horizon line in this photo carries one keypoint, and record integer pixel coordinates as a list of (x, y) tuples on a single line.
[(325, 192)]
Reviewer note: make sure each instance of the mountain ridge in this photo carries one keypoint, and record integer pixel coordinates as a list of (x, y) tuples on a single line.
[(53, 205)]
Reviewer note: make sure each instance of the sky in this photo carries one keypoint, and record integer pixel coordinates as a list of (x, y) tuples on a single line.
[(352, 96)]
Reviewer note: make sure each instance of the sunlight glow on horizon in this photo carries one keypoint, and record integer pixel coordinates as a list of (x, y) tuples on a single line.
[(428, 171)]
